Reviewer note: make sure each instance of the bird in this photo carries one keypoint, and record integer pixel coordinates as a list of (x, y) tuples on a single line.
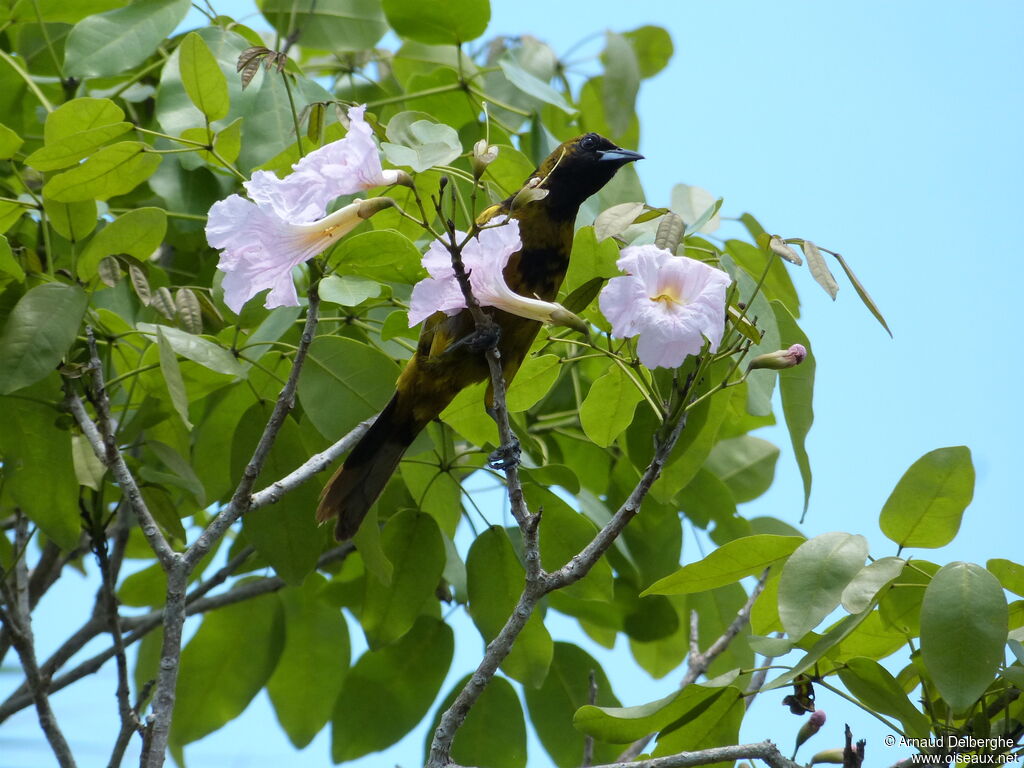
[(443, 363)]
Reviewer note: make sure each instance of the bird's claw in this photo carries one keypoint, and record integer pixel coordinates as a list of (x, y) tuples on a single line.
[(480, 340), (505, 456)]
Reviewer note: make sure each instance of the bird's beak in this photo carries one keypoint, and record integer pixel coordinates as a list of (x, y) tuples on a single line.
[(619, 155)]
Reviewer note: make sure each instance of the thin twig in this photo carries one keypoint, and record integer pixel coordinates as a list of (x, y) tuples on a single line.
[(18, 620), (535, 589), (107, 601), (241, 501), (764, 751), (588, 740), (159, 723), (697, 663), (100, 435)]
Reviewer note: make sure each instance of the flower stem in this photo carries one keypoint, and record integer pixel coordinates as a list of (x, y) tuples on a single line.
[(28, 80), (417, 95), (295, 115)]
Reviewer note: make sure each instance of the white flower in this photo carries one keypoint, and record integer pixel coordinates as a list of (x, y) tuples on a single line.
[(284, 222), (672, 303), (484, 258), (260, 248)]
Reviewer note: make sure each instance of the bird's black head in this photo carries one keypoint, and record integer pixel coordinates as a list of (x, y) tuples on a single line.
[(580, 167)]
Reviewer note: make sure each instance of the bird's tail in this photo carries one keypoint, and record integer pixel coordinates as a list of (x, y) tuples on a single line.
[(354, 488)]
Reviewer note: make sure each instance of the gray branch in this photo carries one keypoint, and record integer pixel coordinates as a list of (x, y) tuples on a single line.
[(764, 751), (17, 618), (100, 435), (537, 586), (697, 663)]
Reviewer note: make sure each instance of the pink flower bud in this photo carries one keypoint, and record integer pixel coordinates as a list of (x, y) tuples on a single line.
[(783, 358)]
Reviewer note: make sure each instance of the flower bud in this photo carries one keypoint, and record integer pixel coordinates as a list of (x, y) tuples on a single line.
[(402, 178), (483, 155), (529, 193), (783, 358), (366, 208), (834, 756), (811, 727)]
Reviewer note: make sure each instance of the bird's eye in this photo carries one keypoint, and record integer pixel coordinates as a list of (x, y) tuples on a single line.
[(588, 142)]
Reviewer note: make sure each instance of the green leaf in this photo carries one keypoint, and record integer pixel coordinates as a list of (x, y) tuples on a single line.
[(112, 43), (553, 705), (9, 142), (777, 286), (964, 622), (68, 150), (729, 563), (331, 25), (621, 81), (533, 86), (420, 144), (80, 115), (88, 468), (137, 233), (717, 724), (493, 734), (623, 725), (495, 581), (862, 589), (608, 407), (312, 667), (839, 632), (383, 255), (348, 291), (928, 502), (878, 690), (285, 533), (412, 542), (172, 376), (450, 22), (8, 264), (38, 467), (72, 221), (343, 383), (267, 127), (653, 48), (819, 269), (534, 380), (862, 292), (114, 170), (206, 353), (204, 83), (900, 606), (745, 464), (796, 386), (615, 220), (697, 207), (216, 682), (1009, 573), (814, 577), (389, 691), (39, 331)]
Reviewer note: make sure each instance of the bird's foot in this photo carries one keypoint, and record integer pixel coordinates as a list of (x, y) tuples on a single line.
[(479, 341), (505, 456)]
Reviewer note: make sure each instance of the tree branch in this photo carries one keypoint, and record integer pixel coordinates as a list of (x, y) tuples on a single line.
[(101, 437), (536, 588), (17, 619), (697, 663), (241, 501), (765, 751)]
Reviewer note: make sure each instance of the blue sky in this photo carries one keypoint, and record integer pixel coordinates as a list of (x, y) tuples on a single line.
[(890, 132)]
